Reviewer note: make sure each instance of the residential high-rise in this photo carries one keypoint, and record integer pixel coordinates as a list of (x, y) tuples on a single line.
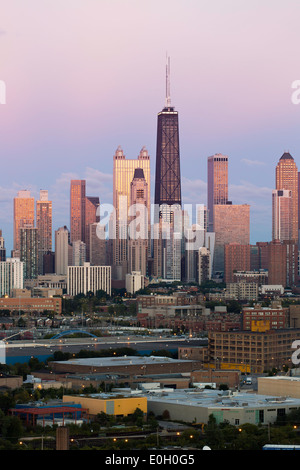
[(49, 262), (123, 174), (98, 255), (217, 184), (236, 258), (29, 251), (231, 225), (77, 210), (194, 239), (138, 224), (23, 215), (87, 278), (91, 216), (287, 179), (167, 176), (203, 265), (11, 276), (283, 263), (61, 250), (78, 253), (44, 227), (281, 214), (2, 248)]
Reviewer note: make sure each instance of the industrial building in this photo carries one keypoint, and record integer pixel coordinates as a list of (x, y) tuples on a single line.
[(236, 408), (131, 365), (115, 404)]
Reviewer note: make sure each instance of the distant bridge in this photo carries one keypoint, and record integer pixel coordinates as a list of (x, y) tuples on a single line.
[(71, 332)]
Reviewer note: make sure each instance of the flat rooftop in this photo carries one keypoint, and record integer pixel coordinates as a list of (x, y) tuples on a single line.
[(216, 398)]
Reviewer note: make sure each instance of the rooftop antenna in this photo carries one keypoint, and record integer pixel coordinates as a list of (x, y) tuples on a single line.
[(168, 97)]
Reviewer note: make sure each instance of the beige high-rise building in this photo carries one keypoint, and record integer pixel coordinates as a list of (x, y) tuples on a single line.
[(231, 225), (123, 173), (23, 215), (282, 214), (138, 221), (287, 179), (61, 251), (44, 227)]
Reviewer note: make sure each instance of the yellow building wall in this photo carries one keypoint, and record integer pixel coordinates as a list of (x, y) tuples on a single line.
[(228, 366), (116, 406), (260, 325)]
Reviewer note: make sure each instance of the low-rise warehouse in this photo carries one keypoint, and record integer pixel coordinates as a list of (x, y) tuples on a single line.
[(112, 404), (132, 365), (195, 406)]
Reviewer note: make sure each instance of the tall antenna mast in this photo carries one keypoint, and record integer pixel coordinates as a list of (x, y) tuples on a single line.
[(168, 94)]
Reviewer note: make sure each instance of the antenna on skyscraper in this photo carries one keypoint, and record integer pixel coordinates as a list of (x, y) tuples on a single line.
[(168, 94)]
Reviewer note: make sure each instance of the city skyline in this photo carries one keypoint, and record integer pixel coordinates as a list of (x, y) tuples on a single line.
[(231, 80)]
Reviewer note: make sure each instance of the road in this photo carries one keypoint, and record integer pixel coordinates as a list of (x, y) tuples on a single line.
[(22, 351)]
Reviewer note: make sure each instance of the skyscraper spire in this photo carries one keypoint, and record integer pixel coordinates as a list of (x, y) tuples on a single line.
[(168, 92)]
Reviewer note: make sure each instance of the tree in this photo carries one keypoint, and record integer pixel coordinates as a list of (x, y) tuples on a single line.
[(11, 427), (213, 434)]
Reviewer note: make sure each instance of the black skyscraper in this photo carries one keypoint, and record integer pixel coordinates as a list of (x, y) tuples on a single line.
[(167, 179)]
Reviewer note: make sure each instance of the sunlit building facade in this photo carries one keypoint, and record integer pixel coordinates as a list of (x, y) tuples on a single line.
[(231, 225), (217, 184), (287, 179), (77, 210), (23, 215), (123, 174)]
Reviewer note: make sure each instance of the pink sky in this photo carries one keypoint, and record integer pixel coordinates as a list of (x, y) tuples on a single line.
[(84, 76)]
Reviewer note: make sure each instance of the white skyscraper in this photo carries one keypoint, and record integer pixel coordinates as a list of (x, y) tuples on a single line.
[(87, 278), (11, 275)]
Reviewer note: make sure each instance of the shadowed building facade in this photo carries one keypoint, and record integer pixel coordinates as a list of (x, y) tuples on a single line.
[(44, 226), (167, 176), (167, 193)]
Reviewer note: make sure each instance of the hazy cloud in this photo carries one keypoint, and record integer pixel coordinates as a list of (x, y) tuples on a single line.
[(252, 162)]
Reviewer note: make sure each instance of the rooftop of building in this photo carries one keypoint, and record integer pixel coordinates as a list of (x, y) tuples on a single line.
[(216, 398), (282, 377), (208, 398), (286, 156)]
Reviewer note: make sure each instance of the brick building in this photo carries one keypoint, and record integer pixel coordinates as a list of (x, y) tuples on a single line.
[(252, 350), (265, 318), (31, 304)]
